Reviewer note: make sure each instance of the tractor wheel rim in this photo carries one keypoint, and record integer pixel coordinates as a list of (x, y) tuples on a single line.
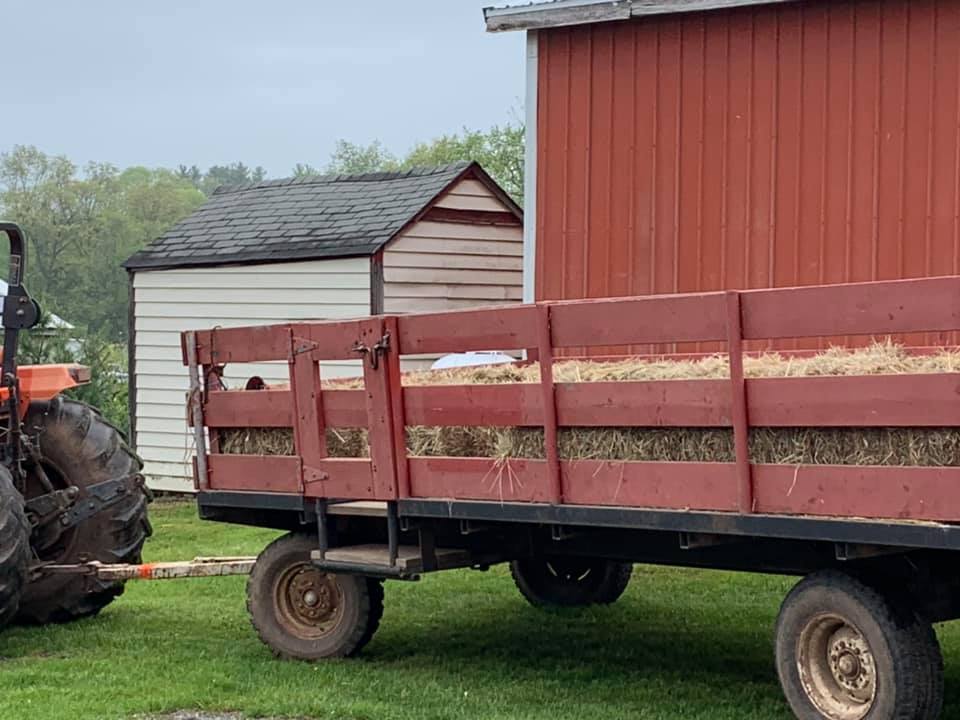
[(837, 668), (309, 602)]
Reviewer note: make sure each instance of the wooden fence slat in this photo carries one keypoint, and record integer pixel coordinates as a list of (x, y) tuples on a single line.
[(345, 478), (738, 404), (379, 421), (503, 328), (250, 408), (902, 493), (255, 473), (691, 486), (479, 479), (875, 308), (637, 321), (548, 404), (517, 404), (261, 343), (927, 400), (309, 430)]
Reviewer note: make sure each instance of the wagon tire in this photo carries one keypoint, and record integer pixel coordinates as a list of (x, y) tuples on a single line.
[(303, 613), (847, 651), (14, 547), (931, 660), (570, 581), (78, 446)]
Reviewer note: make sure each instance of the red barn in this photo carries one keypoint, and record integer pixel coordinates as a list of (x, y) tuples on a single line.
[(683, 145)]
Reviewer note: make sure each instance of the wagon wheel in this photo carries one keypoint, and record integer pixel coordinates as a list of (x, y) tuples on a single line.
[(303, 613), (570, 581), (846, 651)]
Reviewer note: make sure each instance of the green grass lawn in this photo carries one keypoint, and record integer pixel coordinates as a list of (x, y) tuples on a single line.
[(680, 644)]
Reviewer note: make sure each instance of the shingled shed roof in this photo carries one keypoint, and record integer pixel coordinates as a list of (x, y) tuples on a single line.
[(304, 218), (559, 13)]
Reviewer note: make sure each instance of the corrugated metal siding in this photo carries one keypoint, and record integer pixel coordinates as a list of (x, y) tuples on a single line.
[(169, 301), (770, 146)]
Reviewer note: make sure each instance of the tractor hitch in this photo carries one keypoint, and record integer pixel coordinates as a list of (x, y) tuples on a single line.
[(52, 514)]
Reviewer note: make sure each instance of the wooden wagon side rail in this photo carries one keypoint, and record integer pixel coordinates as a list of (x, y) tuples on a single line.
[(385, 407), (927, 400)]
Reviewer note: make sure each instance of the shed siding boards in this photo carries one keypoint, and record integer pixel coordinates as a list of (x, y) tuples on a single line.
[(765, 146), (435, 266), (170, 301)]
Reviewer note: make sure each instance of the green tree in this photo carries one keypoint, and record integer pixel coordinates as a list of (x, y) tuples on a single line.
[(234, 174), (302, 169), (81, 225), (500, 150), (351, 159)]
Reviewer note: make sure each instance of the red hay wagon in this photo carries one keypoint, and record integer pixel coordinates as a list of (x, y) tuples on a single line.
[(877, 544)]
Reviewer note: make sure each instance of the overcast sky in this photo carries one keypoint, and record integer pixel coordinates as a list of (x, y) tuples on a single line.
[(268, 82)]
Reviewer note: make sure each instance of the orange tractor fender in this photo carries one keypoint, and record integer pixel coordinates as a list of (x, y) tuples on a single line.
[(45, 382)]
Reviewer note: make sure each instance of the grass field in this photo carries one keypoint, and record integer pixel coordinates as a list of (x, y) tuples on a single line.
[(680, 644)]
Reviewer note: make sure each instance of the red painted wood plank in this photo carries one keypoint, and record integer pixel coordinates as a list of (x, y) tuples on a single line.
[(248, 408), (662, 403), (501, 328), (493, 405), (864, 401), (654, 319), (379, 414), (333, 340), (548, 404), (397, 413), (256, 473), (867, 401), (903, 493), (684, 486), (479, 479), (309, 431), (345, 408), (881, 308), (738, 404), (837, 491), (245, 344), (342, 478)]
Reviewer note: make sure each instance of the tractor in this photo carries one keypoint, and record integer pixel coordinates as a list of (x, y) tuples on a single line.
[(71, 489)]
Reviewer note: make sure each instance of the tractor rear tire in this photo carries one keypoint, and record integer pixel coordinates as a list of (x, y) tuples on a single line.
[(570, 581), (14, 547), (78, 447)]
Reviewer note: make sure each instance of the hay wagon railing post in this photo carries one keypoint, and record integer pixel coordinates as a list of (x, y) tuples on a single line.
[(737, 403)]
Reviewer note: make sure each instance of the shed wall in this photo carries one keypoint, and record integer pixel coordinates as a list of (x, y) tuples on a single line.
[(777, 145), (435, 266), (169, 301)]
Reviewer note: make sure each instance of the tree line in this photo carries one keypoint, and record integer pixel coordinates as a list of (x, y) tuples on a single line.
[(83, 221)]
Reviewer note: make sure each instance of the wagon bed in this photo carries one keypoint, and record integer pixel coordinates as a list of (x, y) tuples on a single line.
[(736, 497)]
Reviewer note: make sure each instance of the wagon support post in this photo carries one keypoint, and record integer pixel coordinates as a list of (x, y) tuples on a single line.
[(738, 405), (549, 399), (196, 412)]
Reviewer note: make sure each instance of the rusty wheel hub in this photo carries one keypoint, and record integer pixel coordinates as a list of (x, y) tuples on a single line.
[(837, 668), (308, 601)]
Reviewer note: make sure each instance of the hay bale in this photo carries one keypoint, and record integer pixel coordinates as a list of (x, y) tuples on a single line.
[(833, 446)]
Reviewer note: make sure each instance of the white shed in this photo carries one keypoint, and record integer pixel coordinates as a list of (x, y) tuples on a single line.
[(325, 247)]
